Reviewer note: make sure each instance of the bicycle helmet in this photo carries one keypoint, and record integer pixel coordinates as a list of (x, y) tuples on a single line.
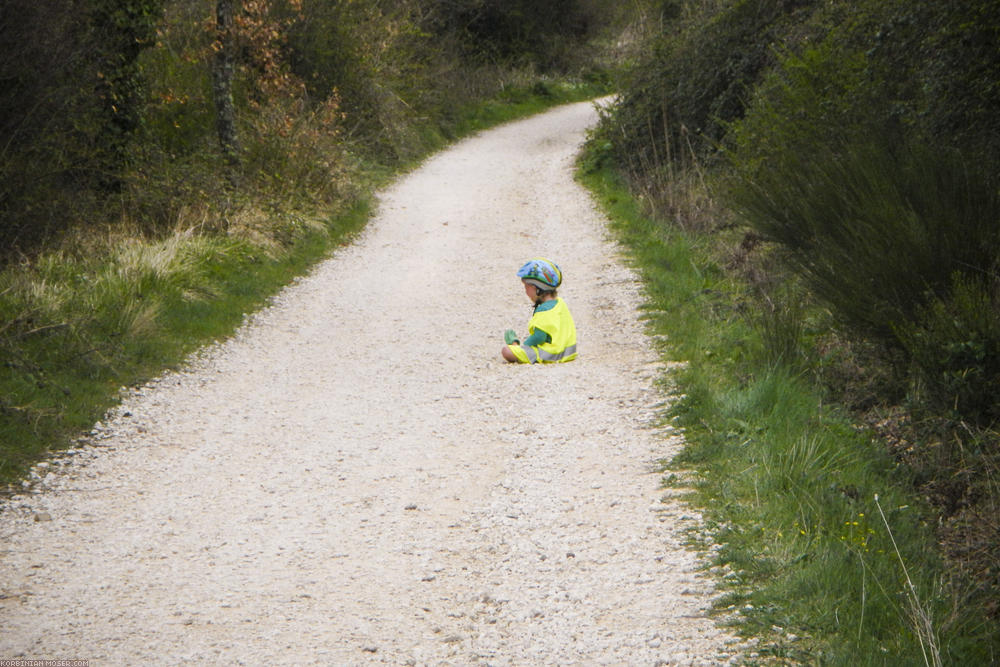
[(542, 273)]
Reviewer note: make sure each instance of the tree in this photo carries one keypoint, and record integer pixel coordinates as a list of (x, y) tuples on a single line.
[(120, 31), (222, 81), (71, 100)]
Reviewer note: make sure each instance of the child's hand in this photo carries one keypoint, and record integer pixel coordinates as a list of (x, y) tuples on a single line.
[(510, 337)]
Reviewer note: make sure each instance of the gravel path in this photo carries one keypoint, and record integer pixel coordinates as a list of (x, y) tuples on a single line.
[(358, 478)]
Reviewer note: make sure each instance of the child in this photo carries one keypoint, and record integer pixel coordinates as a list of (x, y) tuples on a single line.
[(551, 331)]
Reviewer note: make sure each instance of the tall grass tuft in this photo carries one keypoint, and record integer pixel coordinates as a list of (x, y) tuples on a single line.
[(77, 326)]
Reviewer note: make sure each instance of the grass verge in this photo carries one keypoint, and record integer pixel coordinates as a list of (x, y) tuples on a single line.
[(826, 556), (78, 326), (113, 309)]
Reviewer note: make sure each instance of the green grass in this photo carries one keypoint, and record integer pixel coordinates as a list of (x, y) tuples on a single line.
[(78, 324), (792, 491)]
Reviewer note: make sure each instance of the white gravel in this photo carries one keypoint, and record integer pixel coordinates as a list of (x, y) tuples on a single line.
[(357, 477)]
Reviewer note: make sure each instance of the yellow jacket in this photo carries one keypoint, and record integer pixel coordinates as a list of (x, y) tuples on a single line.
[(558, 323)]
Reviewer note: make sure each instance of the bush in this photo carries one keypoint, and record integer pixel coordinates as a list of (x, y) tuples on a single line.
[(862, 141), (516, 32), (938, 63), (793, 493), (954, 345), (697, 78), (892, 230)]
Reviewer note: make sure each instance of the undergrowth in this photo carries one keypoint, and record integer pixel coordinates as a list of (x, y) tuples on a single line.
[(827, 554)]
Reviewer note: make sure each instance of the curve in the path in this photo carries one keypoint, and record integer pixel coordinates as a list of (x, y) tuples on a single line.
[(358, 478)]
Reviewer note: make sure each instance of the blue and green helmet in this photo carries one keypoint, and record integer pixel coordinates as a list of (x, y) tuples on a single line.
[(542, 273)]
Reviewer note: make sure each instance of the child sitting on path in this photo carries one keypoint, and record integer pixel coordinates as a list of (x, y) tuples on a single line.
[(551, 331)]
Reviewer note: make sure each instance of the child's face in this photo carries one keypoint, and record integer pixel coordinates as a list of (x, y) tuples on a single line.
[(531, 291)]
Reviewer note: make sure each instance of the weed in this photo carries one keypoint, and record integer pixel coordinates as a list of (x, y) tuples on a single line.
[(921, 617)]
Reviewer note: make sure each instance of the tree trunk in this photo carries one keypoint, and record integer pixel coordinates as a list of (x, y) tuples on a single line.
[(222, 82)]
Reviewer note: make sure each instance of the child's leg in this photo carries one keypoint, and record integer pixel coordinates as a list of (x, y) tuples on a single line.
[(516, 353)]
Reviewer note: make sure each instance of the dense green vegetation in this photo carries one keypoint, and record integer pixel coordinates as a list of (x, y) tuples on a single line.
[(108, 108), (792, 488), (828, 169)]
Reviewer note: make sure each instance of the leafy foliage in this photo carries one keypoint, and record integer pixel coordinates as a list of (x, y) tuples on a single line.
[(861, 145), (108, 112), (790, 488), (70, 100), (513, 31), (954, 345), (696, 81), (120, 31), (874, 199), (859, 137)]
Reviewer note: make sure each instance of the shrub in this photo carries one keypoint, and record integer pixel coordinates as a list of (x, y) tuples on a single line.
[(697, 78), (954, 345), (938, 63), (518, 32), (67, 107), (892, 230)]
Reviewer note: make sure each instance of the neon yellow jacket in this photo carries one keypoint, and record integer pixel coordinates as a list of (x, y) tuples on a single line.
[(558, 323)]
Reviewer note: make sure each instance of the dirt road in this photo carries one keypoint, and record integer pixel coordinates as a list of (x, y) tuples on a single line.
[(357, 478)]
